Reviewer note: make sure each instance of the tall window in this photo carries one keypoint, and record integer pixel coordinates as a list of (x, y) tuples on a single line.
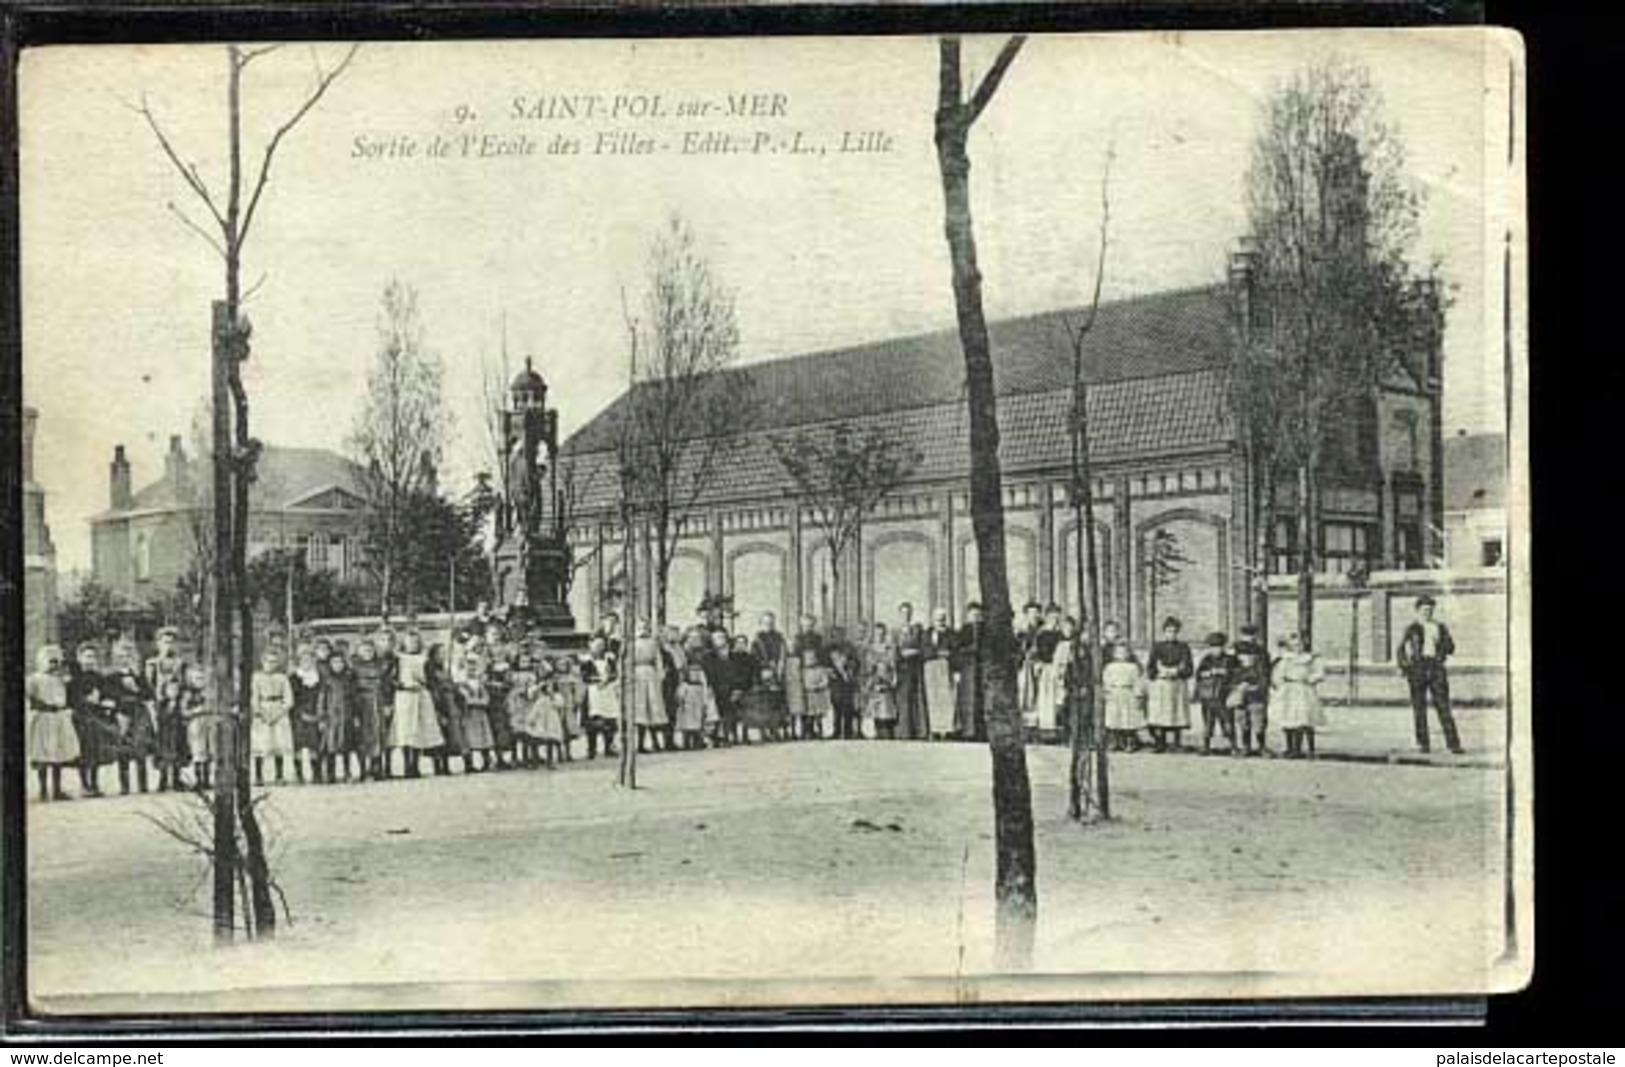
[(1344, 544), (1490, 552), (1409, 433), (1286, 547), (319, 552), (353, 556), (1410, 547), (143, 557), (1341, 545)]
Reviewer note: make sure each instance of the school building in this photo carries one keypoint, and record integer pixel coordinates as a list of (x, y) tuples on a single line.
[(1172, 493)]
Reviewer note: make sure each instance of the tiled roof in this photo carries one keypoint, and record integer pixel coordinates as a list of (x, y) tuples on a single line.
[(1153, 336), (283, 476), (1129, 417), (1475, 471)]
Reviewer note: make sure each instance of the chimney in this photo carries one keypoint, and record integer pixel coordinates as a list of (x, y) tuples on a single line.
[(175, 462), (119, 481), (1243, 282)]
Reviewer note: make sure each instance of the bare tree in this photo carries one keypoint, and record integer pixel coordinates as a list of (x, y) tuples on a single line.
[(573, 488), (495, 379), (843, 475), (234, 452), (682, 411), (1083, 787), (1016, 878), (398, 435), (1334, 305)]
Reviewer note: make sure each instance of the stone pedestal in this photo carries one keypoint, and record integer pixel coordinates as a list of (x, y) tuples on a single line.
[(532, 584)]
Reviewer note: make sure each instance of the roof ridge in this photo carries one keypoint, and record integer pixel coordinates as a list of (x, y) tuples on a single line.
[(1004, 320)]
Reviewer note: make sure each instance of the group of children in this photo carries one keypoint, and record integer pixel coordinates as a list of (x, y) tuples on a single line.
[(1236, 685), (378, 709), (88, 715)]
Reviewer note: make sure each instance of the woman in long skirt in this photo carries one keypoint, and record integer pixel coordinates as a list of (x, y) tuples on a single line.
[(940, 698), (93, 718), (603, 713), (1049, 686), (969, 722), (1169, 706), (138, 732), (498, 681), (372, 711), (52, 741), (416, 727), (648, 699), (447, 709), (1297, 679)]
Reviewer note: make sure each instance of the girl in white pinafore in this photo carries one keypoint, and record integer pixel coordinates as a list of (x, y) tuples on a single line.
[(1296, 703), (1124, 685), (696, 704), (270, 733), (416, 726), (53, 743)]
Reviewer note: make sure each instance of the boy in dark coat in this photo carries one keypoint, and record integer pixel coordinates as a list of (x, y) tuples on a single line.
[(1250, 694), (1215, 676), (843, 691), (166, 678)]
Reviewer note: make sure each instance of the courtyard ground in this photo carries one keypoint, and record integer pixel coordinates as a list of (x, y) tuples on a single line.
[(840, 870)]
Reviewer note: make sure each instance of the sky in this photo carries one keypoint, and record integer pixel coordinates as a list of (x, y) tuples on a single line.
[(822, 250)]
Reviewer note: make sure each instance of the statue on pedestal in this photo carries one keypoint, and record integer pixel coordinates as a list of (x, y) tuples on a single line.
[(532, 555)]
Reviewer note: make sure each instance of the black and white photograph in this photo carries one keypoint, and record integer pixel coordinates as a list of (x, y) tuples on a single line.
[(779, 522)]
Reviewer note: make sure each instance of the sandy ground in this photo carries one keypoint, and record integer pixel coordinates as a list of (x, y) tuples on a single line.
[(843, 871)]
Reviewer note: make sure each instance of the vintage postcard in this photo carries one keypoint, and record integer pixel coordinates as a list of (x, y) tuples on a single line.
[(757, 522)]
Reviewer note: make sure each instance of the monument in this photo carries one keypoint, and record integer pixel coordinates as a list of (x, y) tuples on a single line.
[(532, 554)]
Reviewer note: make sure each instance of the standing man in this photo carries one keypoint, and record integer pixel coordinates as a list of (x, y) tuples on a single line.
[(1423, 650), (908, 641)]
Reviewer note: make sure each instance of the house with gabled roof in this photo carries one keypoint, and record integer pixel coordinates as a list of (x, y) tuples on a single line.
[(1167, 471), (307, 499)]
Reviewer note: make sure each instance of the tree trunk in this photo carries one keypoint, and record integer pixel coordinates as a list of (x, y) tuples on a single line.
[(1307, 557), (237, 458), (1016, 885), (831, 602), (221, 689), (1264, 543), (1088, 633)]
